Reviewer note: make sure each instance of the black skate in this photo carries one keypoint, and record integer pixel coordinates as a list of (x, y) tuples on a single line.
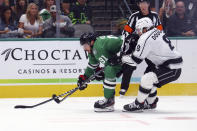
[(133, 107), (150, 106), (122, 92), (106, 105)]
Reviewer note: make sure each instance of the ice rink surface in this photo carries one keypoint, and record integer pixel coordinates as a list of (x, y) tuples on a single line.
[(174, 113)]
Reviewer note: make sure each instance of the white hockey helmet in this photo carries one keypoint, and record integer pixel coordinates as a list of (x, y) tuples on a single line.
[(142, 24)]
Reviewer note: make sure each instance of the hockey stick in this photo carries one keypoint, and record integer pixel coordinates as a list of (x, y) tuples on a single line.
[(91, 78), (56, 98)]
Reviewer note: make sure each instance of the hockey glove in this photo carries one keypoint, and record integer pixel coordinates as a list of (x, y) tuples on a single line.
[(115, 60), (133, 42), (80, 82), (100, 76)]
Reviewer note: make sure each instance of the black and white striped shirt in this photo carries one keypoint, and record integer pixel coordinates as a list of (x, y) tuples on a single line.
[(130, 27)]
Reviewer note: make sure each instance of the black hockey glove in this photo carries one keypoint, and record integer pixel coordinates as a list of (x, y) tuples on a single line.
[(100, 76), (80, 82), (115, 60), (133, 41)]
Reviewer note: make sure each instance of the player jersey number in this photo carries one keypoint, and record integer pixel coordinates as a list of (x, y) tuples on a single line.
[(103, 59), (168, 42)]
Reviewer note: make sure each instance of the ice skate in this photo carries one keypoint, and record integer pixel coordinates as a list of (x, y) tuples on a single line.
[(105, 105), (151, 106), (122, 93), (133, 107)]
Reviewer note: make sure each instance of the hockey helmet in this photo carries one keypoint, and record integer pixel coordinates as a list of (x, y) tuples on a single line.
[(143, 23), (87, 38)]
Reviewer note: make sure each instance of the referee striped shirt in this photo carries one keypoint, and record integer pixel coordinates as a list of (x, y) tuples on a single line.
[(130, 26)]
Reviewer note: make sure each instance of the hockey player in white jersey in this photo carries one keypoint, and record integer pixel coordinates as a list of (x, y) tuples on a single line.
[(155, 46)]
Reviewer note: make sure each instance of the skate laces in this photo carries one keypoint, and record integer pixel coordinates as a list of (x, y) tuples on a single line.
[(146, 105), (131, 105), (102, 101)]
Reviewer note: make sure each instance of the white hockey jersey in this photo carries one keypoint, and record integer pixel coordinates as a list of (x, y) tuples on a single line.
[(155, 46)]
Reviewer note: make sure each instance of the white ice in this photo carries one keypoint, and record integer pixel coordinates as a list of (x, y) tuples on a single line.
[(174, 113)]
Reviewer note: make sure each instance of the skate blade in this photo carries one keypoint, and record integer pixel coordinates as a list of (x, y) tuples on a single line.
[(136, 111), (108, 109)]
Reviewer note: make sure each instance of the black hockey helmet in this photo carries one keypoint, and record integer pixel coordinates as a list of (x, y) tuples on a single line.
[(138, 1), (87, 37)]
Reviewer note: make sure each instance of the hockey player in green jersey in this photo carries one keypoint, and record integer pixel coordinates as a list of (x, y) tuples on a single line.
[(101, 50)]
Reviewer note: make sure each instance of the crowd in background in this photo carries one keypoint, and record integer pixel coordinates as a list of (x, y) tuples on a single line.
[(179, 18), (38, 18)]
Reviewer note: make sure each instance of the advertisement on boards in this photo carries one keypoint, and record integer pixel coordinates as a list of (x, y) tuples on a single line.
[(41, 60)]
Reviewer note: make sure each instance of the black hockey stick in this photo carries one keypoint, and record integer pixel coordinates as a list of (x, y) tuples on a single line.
[(91, 78), (56, 98)]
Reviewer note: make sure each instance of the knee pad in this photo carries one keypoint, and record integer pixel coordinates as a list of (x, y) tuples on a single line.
[(148, 80)]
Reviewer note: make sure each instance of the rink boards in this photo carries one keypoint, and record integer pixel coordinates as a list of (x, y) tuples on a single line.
[(40, 68), (25, 91)]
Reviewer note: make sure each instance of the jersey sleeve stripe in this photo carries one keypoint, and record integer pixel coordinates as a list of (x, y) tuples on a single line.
[(144, 91), (137, 60), (172, 61), (93, 66), (128, 28)]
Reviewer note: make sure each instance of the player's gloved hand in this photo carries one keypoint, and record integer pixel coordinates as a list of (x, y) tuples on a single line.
[(80, 82), (100, 76), (133, 41), (115, 60)]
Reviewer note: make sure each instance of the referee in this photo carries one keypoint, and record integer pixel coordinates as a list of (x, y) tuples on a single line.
[(129, 32)]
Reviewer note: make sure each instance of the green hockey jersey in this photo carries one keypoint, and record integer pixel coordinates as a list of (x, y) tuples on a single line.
[(104, 48)]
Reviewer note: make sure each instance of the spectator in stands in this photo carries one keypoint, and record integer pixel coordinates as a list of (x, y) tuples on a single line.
[(45, 13), (20, 8), (119, 27), (12, 3), (66, 6), (66, 26), (167, 10), (80, 13), (30, 24), (152, 4), (1, 5), (179, 24), (8, 27), (7, 3), (39, 3), (4, 3), (191, 8)]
